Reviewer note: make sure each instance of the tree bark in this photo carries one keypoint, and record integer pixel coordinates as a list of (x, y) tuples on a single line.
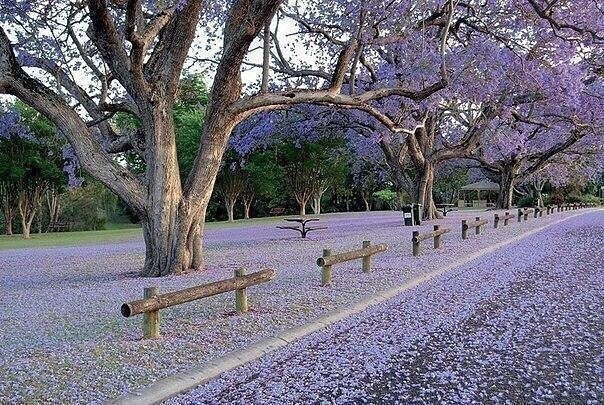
[(230, 207), (365, 196), (424, 192), (506, 189), (30, 196), (171, 224), (246, 210), (52, 202), (27, 217), (316, 204), (302, 204), (8, 224), (9, 203), (26, 228)]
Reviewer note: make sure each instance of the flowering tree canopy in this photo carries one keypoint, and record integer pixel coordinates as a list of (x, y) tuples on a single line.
[(395, 64)]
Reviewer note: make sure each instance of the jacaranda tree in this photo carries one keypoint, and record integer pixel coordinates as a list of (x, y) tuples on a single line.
[(99, 57)]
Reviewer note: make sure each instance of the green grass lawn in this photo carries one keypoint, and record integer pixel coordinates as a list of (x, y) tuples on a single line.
[(115, 232), (69, 238)]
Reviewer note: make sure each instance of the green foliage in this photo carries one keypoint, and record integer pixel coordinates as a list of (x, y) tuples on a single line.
[(88, 207), (590, 199), (34, 159), (527, 201), (328, 156), (265, 175), (386, 197), (188, 122), (193, 92), (448, 183)]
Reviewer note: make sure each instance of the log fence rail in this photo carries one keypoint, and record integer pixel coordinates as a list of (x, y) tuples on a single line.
[(436, 234), (152, 301), (477, 224), (328, 259), (505, 218)]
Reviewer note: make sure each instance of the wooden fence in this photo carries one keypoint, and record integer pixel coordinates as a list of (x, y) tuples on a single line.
[(506, 219), (436, 234), (477, 224), (365, 253), (152, 301)]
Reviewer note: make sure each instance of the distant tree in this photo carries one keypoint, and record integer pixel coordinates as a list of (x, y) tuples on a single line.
[(302, 182), (264, 179), (450, 179), (8, 204), (230, 185), (31, 163)]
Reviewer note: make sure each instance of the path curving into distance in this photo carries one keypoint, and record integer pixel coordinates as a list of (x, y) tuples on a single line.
[(523, 324)]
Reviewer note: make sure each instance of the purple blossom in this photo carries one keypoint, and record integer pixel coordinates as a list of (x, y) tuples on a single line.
[(93, 354)]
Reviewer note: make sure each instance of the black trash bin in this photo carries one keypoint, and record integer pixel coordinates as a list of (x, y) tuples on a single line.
[(408, 215), (417, 214)]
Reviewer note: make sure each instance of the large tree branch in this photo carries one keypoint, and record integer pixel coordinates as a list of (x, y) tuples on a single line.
[(537, 160), (92, 157), (177, 34), (547, 15), (267, 101), (103, 32), (246, 19)]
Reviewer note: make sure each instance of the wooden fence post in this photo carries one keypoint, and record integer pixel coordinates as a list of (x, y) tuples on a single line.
[(415, 243), (240, 294), (464, 229), (519, 215), (496, 220), (437, 237), (151, 318), (478, 227), (366, 259), (326, 270), (506, 219)]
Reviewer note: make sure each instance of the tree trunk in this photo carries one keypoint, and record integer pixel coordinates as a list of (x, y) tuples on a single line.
[(424, 192), (539, 197), (26, 221), (316, 204), (174, 245), (172, 225), (52, 202), (8, 223), (230, 207), (246, 209), (29, 199), (538, 188), (302, 204), (506, 189), (365, 196), (25, 229)]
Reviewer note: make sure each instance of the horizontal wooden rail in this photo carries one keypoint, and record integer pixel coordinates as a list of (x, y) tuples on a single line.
[(436, 234), (365, 253), (505, 218), (465, 225), (153, 301)]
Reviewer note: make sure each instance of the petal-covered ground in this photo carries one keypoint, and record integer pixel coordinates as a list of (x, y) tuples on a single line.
[(63, 339), (522, 325)]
